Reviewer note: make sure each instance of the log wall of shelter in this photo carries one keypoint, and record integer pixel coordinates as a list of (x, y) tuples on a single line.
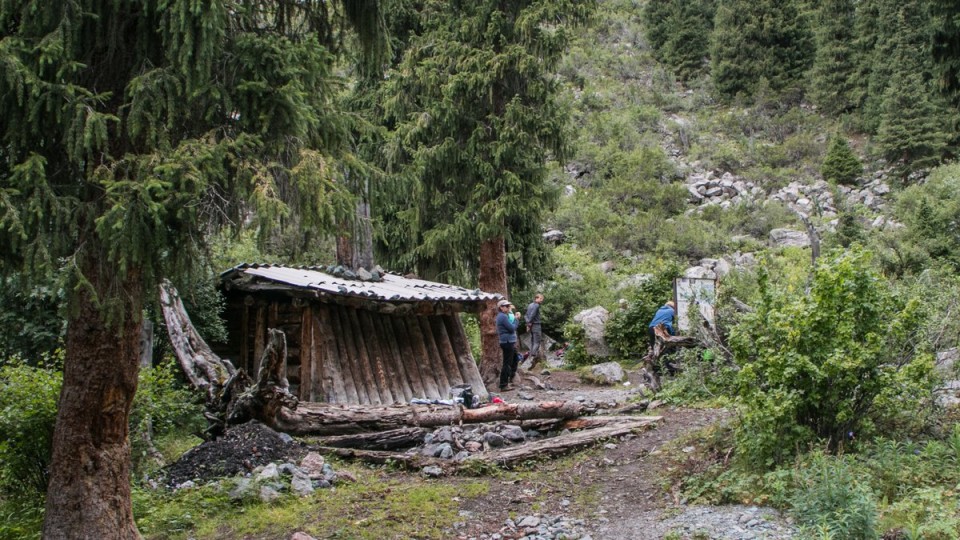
[(341, 354)]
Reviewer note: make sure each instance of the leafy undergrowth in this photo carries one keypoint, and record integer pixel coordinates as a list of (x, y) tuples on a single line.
[(885, 488), (376, 506)]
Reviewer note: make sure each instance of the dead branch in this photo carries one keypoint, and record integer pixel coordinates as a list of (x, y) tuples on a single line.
[(663, 344), (205, 370)]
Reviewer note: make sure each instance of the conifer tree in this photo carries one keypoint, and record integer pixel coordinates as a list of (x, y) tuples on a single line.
[(475, 106), (131, 131), (841, 165), (946, 46), (913, 130), (679, 33), (831, 84), (758, 39)]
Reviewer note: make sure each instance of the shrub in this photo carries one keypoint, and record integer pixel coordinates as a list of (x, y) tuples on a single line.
[(28, 412), (815, 365), (627, 328), (831, 501), (161, 406)]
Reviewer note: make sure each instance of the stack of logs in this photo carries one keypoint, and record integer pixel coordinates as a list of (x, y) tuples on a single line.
[(367, 432)]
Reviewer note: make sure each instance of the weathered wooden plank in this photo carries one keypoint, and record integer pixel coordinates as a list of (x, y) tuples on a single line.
[(447, 356), (308, 358), (331, 379), (461, 346), (440, 368), (385, 378), (402, 338), (351, 371), (245, 339), (384, 330), (259, 336), (363, 359), (421, 359)]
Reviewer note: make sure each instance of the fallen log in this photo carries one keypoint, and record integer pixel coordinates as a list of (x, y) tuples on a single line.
[(379, 440), (328, 419), (504, 457), (560, 445), (205, 370), (379, 457)]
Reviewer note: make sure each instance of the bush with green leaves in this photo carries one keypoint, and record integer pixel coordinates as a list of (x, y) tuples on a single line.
[(931, 213), (819, 365), (627, 328), (831, 500), (28, 411), (578, 284), (162, 405)]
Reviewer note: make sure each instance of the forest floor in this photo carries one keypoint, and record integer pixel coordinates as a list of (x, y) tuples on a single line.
[(616, 489)]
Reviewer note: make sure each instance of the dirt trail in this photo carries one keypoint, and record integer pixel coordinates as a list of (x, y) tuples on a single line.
[(615, 488)]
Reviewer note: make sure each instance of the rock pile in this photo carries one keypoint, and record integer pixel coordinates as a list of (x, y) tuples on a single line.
[(459, 442), (269, 482)]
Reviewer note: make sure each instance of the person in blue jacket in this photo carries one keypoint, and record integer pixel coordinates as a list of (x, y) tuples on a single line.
[(507, 332), (664, 316)]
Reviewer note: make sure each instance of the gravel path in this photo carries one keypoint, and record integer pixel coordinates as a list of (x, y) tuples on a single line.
[(626, 478)]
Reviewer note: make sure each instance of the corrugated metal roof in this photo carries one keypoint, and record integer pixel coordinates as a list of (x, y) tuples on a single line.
[(393, 288)]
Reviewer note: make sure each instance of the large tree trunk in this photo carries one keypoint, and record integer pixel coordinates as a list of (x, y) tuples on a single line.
[(493, 278), (89, 491)]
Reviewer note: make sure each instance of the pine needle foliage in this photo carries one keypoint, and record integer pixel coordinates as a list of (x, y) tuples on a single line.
[(759, 39), (475, 107), (133, 129), (841, 165), (831, 77)]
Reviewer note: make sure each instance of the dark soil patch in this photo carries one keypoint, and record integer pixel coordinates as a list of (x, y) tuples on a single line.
[(241, 449)]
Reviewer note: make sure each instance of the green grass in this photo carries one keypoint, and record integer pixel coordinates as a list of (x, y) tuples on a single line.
[(375, 507)]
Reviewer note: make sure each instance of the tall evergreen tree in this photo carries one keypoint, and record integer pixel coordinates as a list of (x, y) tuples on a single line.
[(831, 81), (679, 32), (475, 106), (759, 39), (913, 117), (946, 46), (913, 128), (131, 131)]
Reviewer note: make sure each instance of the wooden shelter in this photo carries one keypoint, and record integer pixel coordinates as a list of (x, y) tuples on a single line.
[(379, 341)]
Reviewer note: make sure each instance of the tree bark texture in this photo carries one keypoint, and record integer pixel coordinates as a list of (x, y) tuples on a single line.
[(205, 370), (89, 491), (492, 278)]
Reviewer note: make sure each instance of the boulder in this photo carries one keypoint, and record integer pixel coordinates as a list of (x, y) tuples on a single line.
[(594, 321), (607, 373), (789, 238), (699, 272), (555, 237), (312, 465)]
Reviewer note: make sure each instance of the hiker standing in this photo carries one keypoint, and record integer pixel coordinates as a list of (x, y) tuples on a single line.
[(507, 333), (534, 329)]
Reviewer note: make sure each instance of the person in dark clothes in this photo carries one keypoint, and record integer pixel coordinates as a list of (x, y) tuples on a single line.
[(534, 328)]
